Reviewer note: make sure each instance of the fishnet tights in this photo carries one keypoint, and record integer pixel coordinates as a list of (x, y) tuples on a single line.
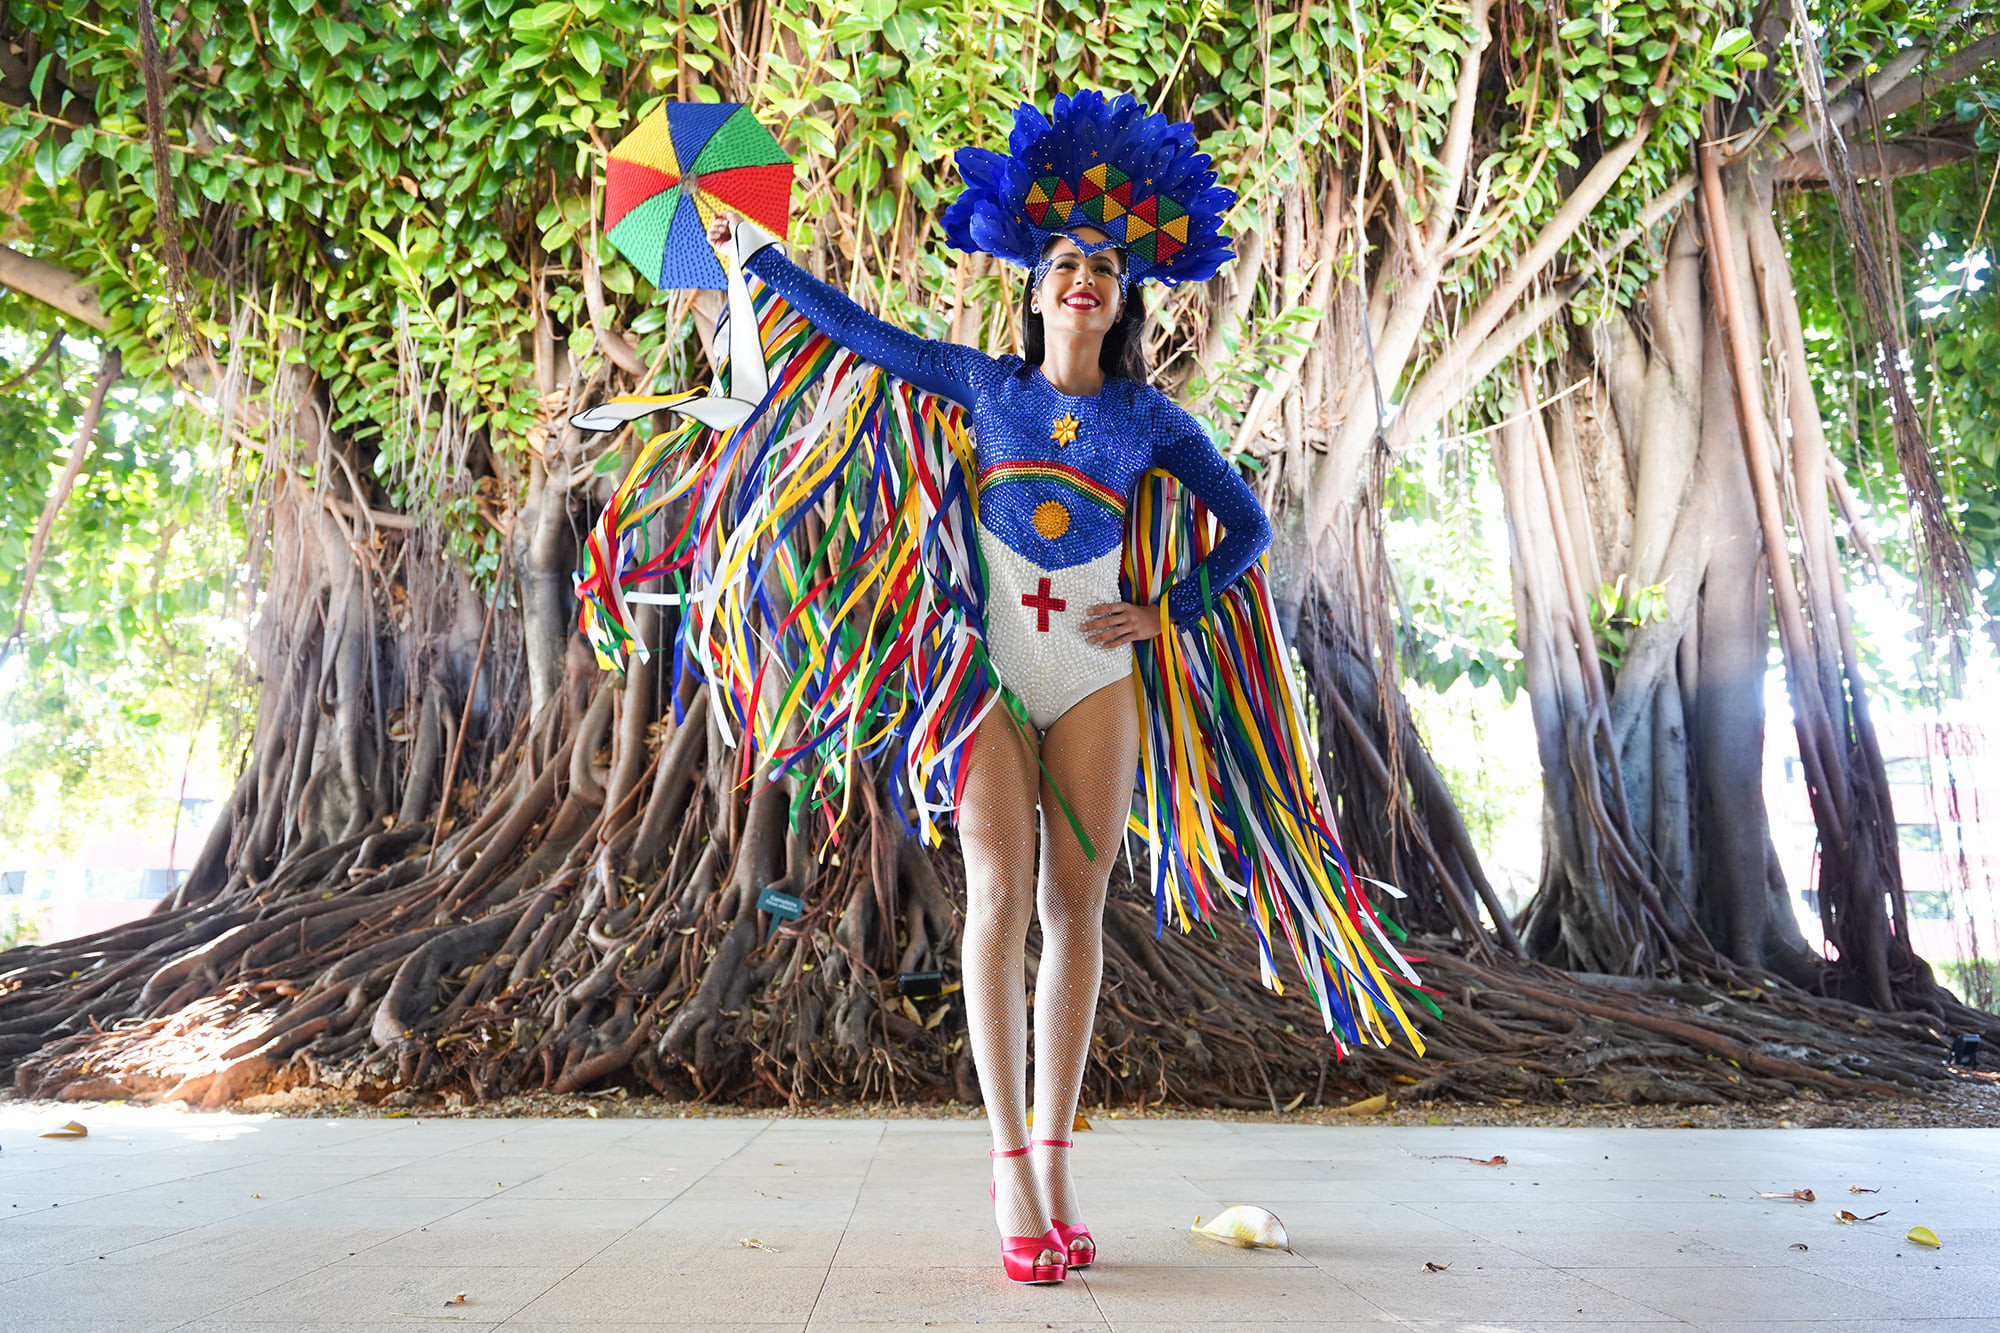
[(1092, 752)]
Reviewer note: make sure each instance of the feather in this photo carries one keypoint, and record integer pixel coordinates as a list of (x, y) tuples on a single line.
[(1004, 212)]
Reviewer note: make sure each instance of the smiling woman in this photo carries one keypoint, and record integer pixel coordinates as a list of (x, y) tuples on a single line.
[(1095, 199)]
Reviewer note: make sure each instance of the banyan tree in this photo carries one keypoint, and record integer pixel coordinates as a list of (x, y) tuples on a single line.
[(362, 244)]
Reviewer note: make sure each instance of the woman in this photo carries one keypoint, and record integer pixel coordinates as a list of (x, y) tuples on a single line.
[(1063, 437)]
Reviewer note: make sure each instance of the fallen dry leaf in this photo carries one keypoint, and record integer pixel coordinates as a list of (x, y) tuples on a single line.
[(457, 1300), (752, 1243), (1435, 1268), (73, 1130), (1368, 1105), (1861, 1189), (1796, 1196), (1797, 1245), (1850, 1219), (1455, 1157), (1923, 1236)]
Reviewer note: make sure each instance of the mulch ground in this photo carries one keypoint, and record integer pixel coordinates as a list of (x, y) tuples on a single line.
[(1971, 1099)]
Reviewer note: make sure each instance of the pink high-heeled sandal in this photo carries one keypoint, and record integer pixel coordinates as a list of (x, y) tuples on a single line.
[(1021, 1256), (1071, 1237)]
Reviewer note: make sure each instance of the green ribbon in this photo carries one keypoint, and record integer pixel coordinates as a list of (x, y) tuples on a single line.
[(1019, 712)]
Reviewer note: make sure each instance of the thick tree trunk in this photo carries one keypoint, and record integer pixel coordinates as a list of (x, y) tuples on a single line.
[(1658, 851), (1696, 412)]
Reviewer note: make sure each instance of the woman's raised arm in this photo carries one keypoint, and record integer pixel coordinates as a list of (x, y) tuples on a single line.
[(948, 369)]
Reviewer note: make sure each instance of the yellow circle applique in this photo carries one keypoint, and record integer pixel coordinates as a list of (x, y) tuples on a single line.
[(1051, 519)]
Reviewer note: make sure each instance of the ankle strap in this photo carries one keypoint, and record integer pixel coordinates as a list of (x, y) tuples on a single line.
[(1056, 1143), (1009, 1152)]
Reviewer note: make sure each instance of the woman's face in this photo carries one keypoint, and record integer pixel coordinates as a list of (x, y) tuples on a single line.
[(1079, 293)]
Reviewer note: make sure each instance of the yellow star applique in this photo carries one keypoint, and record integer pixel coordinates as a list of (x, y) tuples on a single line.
[(1063, 429)]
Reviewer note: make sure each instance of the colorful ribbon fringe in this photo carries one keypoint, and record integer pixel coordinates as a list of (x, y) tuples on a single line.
[(1226, 778), (832, 596)]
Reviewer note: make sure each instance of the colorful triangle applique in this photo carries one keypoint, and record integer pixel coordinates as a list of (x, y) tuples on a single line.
[(739, 142), (627, 185), (1176, 229), (691, 266), (650, 145), (763, 194), (641, 235), (694, 124)]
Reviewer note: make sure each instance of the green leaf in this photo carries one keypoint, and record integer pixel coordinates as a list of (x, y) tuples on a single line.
[(584, 48), (332, 34)]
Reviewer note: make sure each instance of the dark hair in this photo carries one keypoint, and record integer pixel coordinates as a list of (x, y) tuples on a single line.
[(1124, 349)]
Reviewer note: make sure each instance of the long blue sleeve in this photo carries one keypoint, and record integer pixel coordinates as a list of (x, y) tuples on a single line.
[(943, 368), (1191, 457)]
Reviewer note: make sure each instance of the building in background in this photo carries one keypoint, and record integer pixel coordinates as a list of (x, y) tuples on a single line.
[(107, 880), (1944, 782)]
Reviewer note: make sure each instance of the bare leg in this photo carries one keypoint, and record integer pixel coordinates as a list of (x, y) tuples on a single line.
[(1092, 753), (996, 832)]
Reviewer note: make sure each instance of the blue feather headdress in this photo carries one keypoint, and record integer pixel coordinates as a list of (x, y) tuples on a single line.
[(1138, 178)]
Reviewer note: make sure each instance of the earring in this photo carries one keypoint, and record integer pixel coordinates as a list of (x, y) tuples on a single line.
[(1035, 307)]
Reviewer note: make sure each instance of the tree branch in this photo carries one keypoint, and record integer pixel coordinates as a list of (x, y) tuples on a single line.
[(1894, 89), (1423, 406), (609, 339), (79, 450), (1555, 234), (53, 286), (1911, 155), (1458, 138)]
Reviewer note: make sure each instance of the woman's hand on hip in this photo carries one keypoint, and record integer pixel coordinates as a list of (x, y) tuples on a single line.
[(1115, 624)]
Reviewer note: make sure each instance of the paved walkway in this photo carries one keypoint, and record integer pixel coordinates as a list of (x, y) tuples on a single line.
[(166, 1220)]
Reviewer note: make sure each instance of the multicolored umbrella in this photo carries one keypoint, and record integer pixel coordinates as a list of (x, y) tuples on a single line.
[(684, 164)]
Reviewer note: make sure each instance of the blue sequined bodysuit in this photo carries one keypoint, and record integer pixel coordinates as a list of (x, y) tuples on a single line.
[(1055, 473)]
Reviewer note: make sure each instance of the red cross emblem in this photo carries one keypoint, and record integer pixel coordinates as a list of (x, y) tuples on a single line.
[(1043, 604)]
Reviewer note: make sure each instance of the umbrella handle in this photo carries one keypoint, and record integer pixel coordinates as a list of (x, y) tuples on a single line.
[(749, 378)]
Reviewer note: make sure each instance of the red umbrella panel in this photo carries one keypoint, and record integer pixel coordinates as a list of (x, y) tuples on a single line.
[(668, 179)]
